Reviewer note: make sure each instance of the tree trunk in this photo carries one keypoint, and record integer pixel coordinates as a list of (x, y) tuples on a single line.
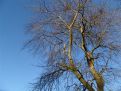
[(97, 76)]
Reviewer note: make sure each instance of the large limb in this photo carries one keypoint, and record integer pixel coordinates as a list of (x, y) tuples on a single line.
[(90, 60), (78, 75), (72, 66)]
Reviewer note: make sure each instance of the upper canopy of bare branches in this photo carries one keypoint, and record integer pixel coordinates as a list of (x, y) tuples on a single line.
[(81, 36)]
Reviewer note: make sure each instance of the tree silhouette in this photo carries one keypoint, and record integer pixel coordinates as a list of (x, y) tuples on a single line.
[(81, 42)]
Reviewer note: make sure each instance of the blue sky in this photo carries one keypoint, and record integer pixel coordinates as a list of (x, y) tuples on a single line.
[(16, 65)]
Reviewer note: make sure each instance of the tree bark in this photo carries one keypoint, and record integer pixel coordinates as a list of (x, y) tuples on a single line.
[(83, 81), (97, 76)]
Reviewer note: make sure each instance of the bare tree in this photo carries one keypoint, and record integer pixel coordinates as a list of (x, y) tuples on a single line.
[(81, 42)]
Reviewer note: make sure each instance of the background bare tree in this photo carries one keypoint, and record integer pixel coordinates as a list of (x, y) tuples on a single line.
[(81, 39)]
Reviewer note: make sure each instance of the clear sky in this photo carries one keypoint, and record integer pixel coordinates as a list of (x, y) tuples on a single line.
[(16, 65)]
